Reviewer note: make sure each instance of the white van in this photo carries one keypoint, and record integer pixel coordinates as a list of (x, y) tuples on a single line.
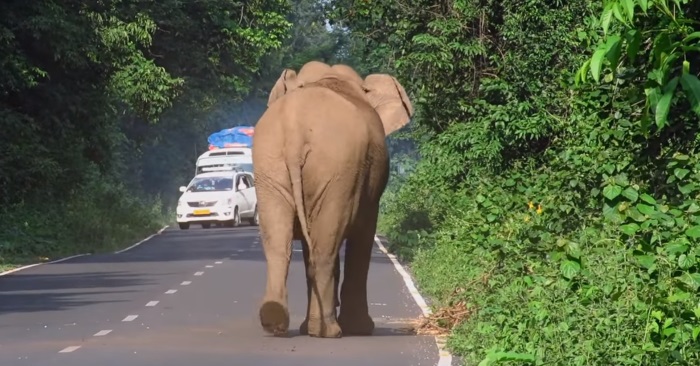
[(241, 157)]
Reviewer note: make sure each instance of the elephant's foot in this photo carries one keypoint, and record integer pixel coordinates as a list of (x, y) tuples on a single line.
[(361, 325), (304, 327), (274, 318), (326, 329)]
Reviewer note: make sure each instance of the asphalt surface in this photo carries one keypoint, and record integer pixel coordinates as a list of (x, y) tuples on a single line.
[(189, 298)]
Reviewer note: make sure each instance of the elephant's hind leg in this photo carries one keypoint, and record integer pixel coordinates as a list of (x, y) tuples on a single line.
[(354, 318), (304, 328), (276, 230)]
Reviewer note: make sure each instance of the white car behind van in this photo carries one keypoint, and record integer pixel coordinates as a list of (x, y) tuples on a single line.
[(222, 196)]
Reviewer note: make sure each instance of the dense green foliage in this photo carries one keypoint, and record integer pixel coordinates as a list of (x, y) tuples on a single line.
[(105, 105), (559, 175), (559, 178)]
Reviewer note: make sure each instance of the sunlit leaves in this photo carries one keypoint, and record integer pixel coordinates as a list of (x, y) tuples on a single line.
[(668, 53)]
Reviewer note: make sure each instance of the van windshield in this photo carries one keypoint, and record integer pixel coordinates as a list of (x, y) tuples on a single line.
[(211, 184)]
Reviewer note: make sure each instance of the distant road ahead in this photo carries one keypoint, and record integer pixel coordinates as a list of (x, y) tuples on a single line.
[(188, 298)]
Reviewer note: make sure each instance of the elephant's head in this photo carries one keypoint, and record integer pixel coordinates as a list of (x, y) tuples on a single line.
[(386, 95)]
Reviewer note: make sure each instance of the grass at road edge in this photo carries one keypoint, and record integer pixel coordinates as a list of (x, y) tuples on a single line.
[(102, 218)]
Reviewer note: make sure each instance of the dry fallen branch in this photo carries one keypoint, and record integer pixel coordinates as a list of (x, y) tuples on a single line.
[(446, 318)]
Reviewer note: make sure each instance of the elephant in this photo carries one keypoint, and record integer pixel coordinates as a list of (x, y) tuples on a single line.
[(321, 165)]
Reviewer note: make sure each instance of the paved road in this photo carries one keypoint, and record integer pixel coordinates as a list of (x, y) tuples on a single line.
[(188, 298)]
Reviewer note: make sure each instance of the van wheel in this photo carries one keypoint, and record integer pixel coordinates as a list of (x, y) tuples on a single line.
[(184, 225), (255, 221), (206, 226)]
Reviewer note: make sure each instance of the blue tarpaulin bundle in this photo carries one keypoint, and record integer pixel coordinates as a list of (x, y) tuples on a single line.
[(239, 136)]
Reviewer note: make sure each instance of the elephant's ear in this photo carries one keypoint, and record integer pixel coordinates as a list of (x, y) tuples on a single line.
[(284, 84), (389, 99)]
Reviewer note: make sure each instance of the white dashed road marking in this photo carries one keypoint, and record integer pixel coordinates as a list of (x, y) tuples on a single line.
[(69, 349), (198, 273), (152, 303), (218, 262), (185, 283), (241, 250), (130, 318), (209, 266), (102, 333), (170, 292)]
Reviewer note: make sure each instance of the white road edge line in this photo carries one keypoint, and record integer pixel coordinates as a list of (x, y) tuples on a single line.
[(130, 318), (142, 241), (38, 264), (102, 333), (75, 256), (69, 349), (445, 356)]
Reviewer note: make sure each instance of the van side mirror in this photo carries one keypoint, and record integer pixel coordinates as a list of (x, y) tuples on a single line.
[(183, 189)]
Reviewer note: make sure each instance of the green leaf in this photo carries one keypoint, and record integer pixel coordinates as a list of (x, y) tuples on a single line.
[(644, 4), (688, 188), (678, 296), (691, 36), (617, 13), (691, 86), (646, 209), (634, 40), (629, 7), (612, 191), (676, 248), (631, 194), (597, 63), (646, 261), (662, 109), (629, 229), (573, 249), (606, 17), (569, 269), (680, 173), (648, 199), (613, 51), (693, 232), (691, 279), (685, 262)]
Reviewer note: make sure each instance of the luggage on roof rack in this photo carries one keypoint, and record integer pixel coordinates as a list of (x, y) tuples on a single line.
[(239, 136)]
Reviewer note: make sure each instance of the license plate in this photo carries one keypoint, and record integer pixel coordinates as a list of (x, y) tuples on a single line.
[(202, 212)]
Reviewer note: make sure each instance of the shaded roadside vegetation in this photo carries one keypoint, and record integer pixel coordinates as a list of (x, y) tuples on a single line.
[(105, 106), (557, 194), (556, 155)]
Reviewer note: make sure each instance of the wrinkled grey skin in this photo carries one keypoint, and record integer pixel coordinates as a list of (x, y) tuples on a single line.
[(321, 165)]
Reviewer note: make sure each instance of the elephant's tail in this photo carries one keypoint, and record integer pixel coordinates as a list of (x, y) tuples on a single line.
[(294, 167)]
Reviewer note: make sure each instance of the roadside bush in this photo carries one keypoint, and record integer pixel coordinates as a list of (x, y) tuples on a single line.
[(99, 215), (564, 215)]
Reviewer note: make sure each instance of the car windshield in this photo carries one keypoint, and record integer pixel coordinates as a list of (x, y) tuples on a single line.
[(211, 184)]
